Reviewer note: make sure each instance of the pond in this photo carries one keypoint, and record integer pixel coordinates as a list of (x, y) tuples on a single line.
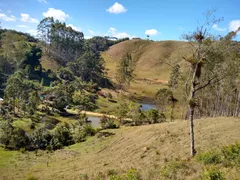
[(146, 107), (95, 121)]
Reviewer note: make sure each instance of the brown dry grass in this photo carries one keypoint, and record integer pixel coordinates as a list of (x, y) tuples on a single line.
[(151, 59), (145, 148)]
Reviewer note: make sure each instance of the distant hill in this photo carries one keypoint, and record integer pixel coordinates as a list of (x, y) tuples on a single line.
[(153, 60)]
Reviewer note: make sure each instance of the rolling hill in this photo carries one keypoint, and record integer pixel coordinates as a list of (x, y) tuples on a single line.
[(152, 62)]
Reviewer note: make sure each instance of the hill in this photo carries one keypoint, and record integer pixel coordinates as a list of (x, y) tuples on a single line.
[(159, 151), (152, 62)]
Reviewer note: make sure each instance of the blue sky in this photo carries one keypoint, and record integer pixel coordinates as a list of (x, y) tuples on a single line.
[(161, 19)]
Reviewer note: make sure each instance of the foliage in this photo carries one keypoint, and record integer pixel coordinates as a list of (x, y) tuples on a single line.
[(60, 41), (133, 174), (84, 101), (107, 123), (155, 116), (62, 136), (212, 173), (125, 70), (211, 157), (231, 154), (40, 138)]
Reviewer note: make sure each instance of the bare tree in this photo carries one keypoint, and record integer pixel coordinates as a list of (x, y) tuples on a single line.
[(212, 59)]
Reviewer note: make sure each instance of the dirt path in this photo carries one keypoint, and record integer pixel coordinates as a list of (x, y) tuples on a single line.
[(89, 113)]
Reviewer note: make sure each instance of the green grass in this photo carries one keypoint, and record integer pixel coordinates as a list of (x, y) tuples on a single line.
[(6, 157)]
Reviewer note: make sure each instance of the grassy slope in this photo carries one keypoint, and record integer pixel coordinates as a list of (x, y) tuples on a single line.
[(152, 58), (166, 142)]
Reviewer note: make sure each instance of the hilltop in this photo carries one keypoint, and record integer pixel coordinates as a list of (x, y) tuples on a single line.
[(149, 149)]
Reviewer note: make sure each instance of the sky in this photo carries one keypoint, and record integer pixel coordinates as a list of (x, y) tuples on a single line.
[(160, 19)]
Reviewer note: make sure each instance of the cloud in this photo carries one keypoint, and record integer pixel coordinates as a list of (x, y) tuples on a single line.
[(114, 32), (117, 8), (151, 32), (92, 32), (87, 37), (4, 17), (234, 25), (216, 28), (43, 1), (57, 14), (74, 27), (22, 26), (32, 32), (27, 18)]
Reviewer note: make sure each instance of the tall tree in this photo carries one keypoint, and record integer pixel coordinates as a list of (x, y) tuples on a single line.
[(61, 41), (125, 69)]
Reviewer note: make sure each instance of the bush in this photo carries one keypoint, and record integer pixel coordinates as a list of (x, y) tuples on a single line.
[(155, 116), (62, 136), (212, 173), (133, 174), (19, 139), (89, 130), (231, 154), (40, 138), (211, 157), (107, 123), (79, 135)]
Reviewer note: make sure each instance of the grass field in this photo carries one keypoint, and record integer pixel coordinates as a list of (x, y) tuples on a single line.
[(149, 149), (152, 62)]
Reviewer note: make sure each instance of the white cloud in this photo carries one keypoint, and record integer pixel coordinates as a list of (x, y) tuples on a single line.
[(92, 32), (43, 1), (74, 27), (216, 28), (32, 32), (234, 25), (151, 32), (4, 17), (57, 14), (22, 26), (114, 32), (117, 8), (87, 37), (27, 18)]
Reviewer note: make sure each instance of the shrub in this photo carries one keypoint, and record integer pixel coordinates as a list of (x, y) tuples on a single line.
[(89, 130), (79, 135), (40, 138), (133, 174), (62, 136), (19, 139), (107, 123), (211, 157), (231, 154), (212, 173), (155, 116)]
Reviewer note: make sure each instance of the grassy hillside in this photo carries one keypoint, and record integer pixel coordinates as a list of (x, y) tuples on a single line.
[(159, 151), (152, 62)]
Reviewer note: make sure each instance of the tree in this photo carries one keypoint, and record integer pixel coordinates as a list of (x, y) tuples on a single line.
[(125, 68), (212, 60), (19, 90), (60, 41)]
